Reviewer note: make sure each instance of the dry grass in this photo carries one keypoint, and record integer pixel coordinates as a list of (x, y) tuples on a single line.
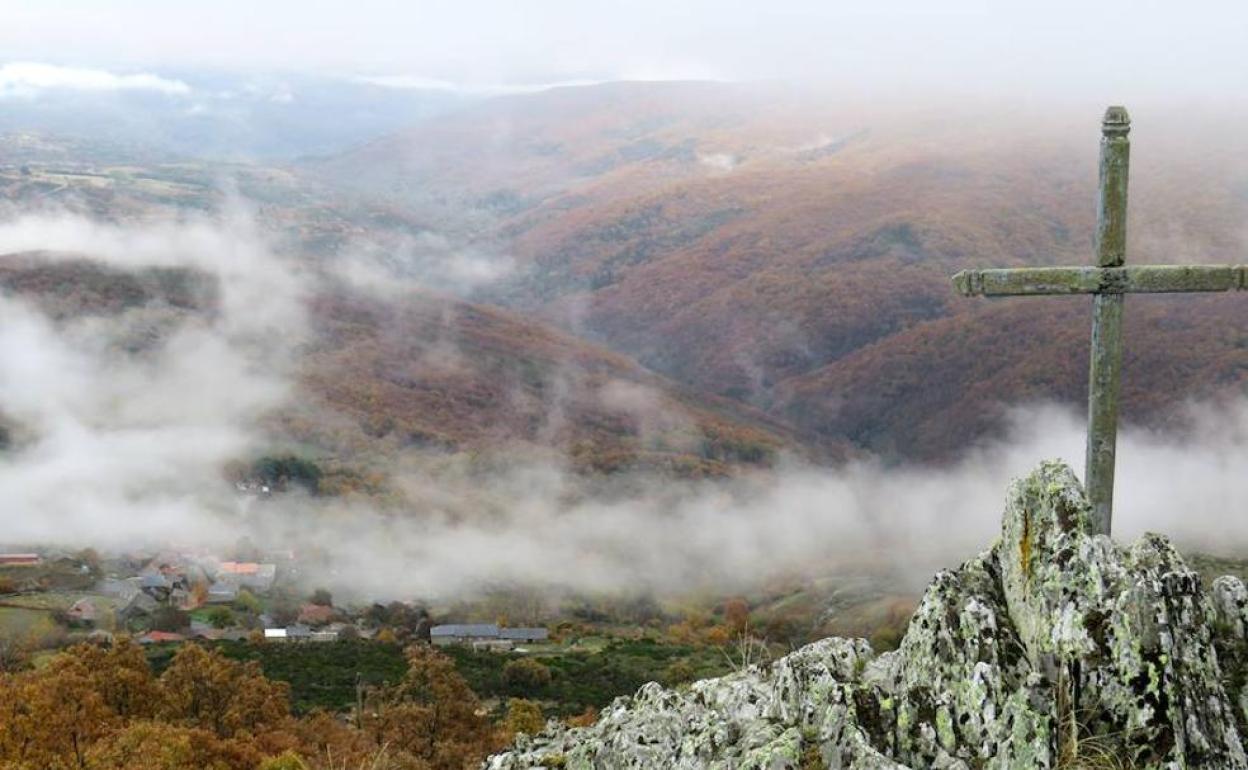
[(1078, 748), (1096, 753)]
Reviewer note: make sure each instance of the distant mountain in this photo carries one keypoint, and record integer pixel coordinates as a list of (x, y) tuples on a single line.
[(794, 252), (225, 116), (513, 153)]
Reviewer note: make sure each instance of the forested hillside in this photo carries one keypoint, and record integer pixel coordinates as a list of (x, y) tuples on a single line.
[(794, 253), (422, 371)]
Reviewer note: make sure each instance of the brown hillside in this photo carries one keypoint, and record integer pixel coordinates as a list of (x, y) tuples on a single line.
[(770, 235), (513, 153), (423, 371), (68, 285), (431, 371), (950, 381)]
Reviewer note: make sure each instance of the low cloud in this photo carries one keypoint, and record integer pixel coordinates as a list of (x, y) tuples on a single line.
[(533, 525), (121, 448), (422, 83), (30, 79), (262, 293), (393, 263), (120, 443)]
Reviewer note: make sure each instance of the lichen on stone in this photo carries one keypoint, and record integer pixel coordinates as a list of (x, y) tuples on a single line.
[(1050, 644)]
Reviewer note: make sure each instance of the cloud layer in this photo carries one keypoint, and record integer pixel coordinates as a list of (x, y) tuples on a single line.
[(123, 448), (536, 526), (122, 442), (1108, 51), (29, 79)]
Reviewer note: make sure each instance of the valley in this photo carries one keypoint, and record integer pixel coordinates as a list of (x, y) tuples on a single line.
[(670, 372)]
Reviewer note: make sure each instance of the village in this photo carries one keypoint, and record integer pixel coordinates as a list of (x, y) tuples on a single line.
[(260, 606), (50, 598)]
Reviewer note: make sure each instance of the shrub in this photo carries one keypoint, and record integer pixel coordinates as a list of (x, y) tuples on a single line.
[(221, 617), (525, 676), (280, 471), (288, 760), (678, 672), (247, 602), (523, 716)]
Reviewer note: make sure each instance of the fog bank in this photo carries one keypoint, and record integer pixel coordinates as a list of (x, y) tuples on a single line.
[(119, 448)]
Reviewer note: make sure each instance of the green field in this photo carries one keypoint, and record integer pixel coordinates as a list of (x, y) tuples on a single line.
[(30, 617), (583, 679), (54, 600), (17, 623)]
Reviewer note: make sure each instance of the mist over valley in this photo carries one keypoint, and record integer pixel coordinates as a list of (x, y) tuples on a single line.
[(419, 395)]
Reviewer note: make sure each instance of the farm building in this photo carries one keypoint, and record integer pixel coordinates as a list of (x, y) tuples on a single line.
[(524, 635), (222, 593), (160, 637), (19, 560), (485, 635), (83, 611)]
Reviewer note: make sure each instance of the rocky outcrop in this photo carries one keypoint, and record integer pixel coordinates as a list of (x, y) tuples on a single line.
[(1053, 649)]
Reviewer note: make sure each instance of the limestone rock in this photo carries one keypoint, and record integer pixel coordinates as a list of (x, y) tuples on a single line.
[(1054, 648)]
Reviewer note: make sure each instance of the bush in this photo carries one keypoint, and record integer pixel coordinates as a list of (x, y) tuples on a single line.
[(287, 761), (247, 602), (279, 472), (221, 617), (525, 676), (678, 672), (523, 716), (284, 612)]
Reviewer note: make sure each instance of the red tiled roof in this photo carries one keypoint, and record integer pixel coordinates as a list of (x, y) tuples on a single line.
[(315, 613), (240, 567), (162, 636)]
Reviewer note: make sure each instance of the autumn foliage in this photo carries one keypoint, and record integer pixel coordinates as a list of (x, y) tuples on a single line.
[(102, 708), (793, 251)]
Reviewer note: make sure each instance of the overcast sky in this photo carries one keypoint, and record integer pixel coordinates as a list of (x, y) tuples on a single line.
[(1102, 49)]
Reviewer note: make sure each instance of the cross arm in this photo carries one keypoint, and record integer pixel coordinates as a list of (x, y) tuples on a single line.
[(1148, 279)]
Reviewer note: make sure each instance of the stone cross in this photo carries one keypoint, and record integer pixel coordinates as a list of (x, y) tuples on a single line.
[(1108, 282)]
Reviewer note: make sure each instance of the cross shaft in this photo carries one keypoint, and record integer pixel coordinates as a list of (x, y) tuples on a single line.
[(1108, 281)]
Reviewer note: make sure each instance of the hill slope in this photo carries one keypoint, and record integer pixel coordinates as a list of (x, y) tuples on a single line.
[(417, 370), (425, 370), (751, 242)]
